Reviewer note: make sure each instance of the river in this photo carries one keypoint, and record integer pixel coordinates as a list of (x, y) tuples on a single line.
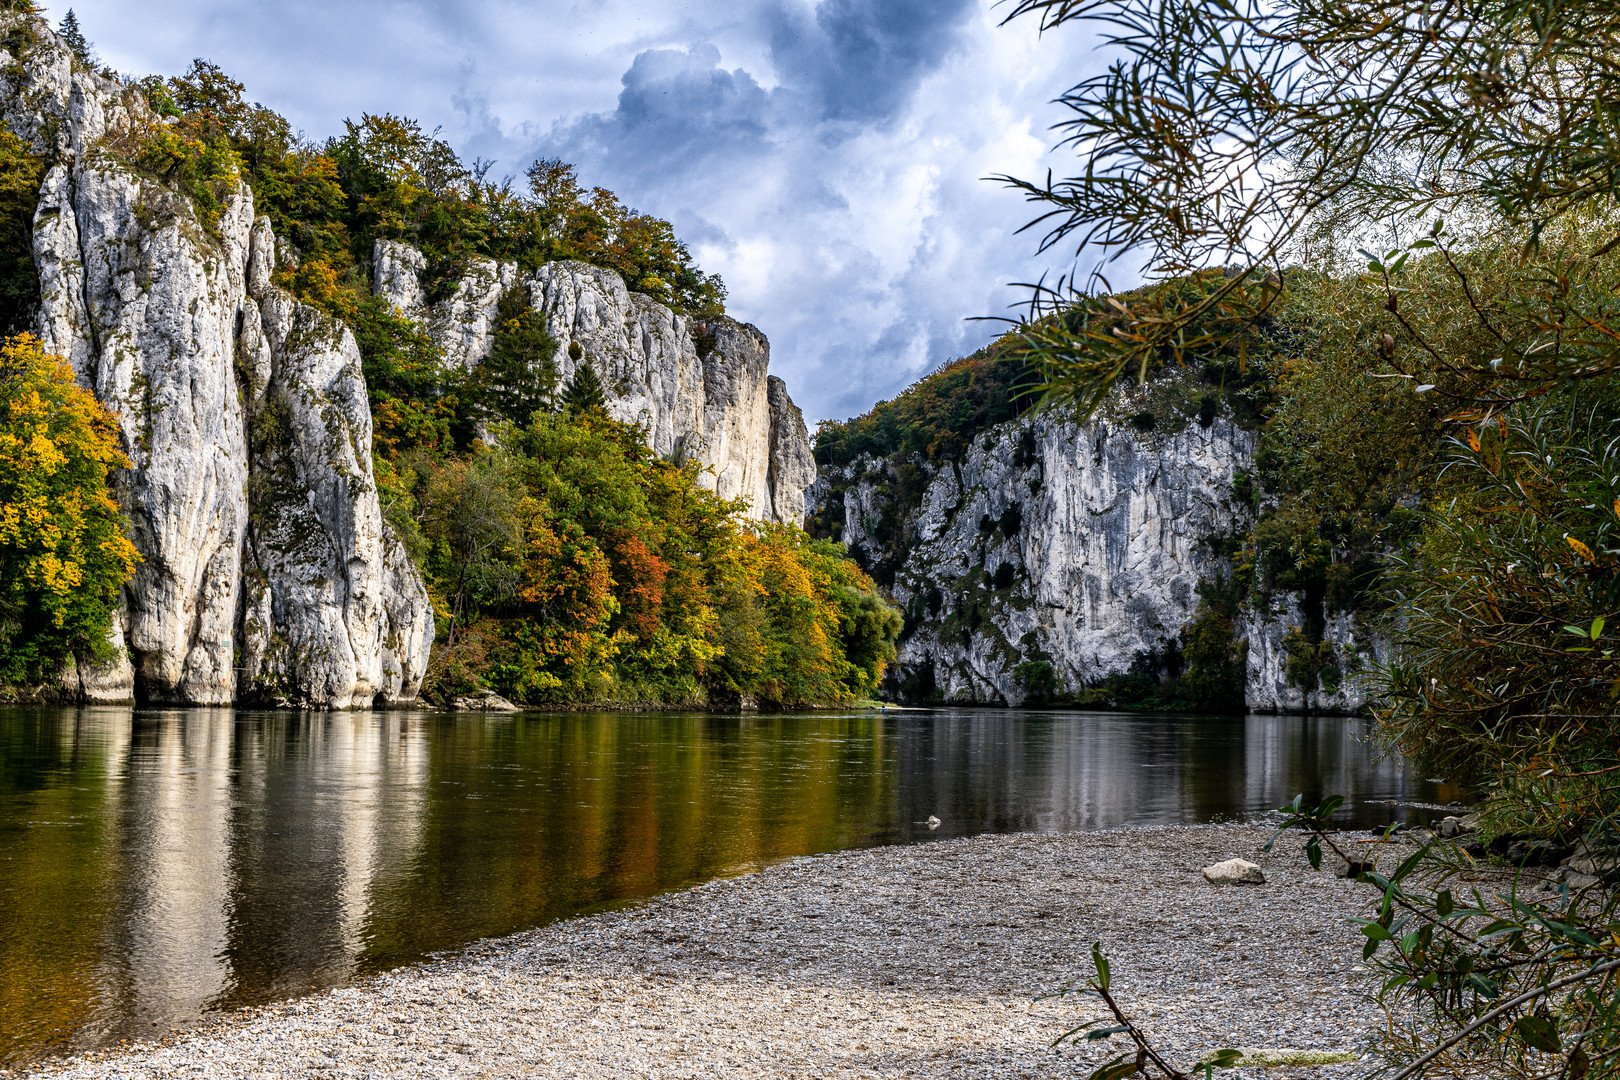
[(159, 865)]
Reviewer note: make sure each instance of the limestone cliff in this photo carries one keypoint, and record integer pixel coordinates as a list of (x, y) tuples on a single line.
[(1079, 544), (701, 390), (267, 571)]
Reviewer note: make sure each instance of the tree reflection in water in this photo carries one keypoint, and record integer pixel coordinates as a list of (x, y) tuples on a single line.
[(156, 865)]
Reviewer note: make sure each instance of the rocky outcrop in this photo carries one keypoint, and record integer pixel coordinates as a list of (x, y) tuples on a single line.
[(1077, 549), (266, 570), (701, 390), (793, 466)]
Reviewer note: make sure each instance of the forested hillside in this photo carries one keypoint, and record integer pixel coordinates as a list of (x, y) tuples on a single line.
[(565, 562)]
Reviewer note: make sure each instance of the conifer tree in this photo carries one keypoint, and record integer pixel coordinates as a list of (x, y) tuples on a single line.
[(584, 393), (73, 37), (518, 377)]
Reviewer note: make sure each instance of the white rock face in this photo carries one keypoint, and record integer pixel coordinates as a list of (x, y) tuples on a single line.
[(793, 465), (176, 328), (334, 613), (701, 391), (1356, 652), (1079, 544)]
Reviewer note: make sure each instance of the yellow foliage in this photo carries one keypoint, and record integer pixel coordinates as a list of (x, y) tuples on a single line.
[(63, 548)]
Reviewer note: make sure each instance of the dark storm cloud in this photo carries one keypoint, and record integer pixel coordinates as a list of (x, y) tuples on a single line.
[(860, 60), (678, 109)]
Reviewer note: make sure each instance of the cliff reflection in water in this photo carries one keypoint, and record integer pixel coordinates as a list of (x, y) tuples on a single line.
[(156, 865)]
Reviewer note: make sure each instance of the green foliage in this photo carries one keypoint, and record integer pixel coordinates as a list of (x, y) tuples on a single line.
[(1317, 127), (584, 393), (1494, 683), (385, 178), (1357, 118), (416, 403), (189, 139), (571, 565), (598, 228), (73, 37), (1505, 982), (64, 555), (1035, 673), (1216, 659), (21, 174), (519, 376), (938, 416)]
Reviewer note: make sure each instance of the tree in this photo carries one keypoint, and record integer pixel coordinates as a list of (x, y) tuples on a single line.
[(1257, 135), (1454, 163), (519, 376), (473, 512), (74, 39), (584, 392), (64, 552)]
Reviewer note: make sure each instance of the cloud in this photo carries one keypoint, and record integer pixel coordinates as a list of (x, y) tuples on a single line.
[(845, 205), (860, 60), (824, 156), (679, 110)]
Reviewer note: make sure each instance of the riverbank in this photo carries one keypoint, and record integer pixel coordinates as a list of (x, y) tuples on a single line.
[(924, 960)]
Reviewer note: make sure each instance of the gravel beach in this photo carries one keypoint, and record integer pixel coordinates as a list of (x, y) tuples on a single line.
[(926, 960)]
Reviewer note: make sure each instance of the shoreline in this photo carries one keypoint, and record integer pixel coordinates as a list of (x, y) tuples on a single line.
[(924, 960)]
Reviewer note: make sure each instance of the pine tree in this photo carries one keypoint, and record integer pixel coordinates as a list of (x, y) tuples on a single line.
[(518, 378), (74, 38), (584, 393)]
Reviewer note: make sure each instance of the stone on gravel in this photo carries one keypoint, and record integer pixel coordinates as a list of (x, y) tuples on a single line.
[(1451, 827), (1234, 872)]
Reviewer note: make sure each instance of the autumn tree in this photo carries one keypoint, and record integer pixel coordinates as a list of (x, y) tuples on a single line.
[(64, 552)]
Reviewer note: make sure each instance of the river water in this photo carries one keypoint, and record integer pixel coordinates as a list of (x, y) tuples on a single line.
[(158, 865)]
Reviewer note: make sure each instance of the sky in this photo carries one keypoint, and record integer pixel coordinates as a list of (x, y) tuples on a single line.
[(826, 157)]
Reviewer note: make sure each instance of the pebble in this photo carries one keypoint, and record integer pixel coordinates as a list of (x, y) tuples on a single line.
[(931, 960)]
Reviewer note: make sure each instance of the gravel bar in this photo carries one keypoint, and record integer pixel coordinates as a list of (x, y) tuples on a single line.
[(926, 960)]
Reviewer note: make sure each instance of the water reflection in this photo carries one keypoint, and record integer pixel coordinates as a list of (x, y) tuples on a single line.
[(159, 864)]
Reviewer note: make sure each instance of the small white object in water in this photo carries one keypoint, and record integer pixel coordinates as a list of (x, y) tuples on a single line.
[(933, 822)]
